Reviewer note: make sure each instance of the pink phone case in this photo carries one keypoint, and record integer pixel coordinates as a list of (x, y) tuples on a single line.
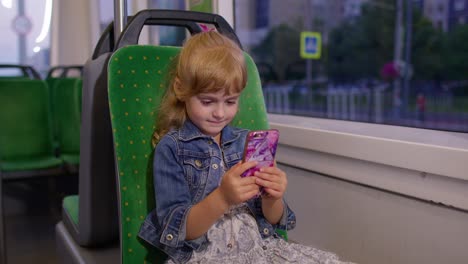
[(260, 146)]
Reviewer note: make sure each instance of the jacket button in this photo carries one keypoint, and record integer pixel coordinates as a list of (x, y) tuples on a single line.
[(210, 142), (169, 237), (214, 166), (198, 163), (266, 231)]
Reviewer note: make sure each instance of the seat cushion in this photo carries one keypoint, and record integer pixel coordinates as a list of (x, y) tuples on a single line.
[(71, 205), (73, 159)]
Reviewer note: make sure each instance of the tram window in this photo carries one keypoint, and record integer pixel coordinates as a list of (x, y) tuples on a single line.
[(106, 13), (167, 4), (163, 35), (377, 63), (11, 73), (25, 29)]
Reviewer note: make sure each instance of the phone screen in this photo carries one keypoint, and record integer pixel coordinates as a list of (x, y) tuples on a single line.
[(260, 146)]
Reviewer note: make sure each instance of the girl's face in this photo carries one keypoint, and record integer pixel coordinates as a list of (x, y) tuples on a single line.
[(211, 112)]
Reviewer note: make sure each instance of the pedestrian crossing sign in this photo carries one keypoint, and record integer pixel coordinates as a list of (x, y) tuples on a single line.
[(311, 45)]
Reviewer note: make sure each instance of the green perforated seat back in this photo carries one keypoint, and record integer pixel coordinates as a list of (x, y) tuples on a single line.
[(65, 102), (136, 85), (51, 82), (25, 120)]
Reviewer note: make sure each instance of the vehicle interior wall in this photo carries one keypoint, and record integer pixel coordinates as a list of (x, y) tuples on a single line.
[(370, 225), (391, 205)]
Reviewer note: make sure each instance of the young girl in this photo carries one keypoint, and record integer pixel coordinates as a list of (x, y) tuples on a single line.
[(205, 211)]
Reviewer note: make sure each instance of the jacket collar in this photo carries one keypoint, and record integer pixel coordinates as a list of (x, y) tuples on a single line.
[(190, 131)]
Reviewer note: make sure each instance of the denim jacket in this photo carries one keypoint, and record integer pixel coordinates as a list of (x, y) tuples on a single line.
[(187, 167)]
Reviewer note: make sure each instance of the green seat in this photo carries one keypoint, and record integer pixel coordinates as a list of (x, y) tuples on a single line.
[(26, 146), (91, 218), (78, 95), (136, 85), (26, 135), (65, 94), (71, 202)]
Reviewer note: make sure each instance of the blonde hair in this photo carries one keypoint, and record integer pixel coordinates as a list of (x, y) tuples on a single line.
[(208, 62)]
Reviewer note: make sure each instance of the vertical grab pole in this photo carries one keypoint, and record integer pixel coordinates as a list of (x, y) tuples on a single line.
[(120, 17)]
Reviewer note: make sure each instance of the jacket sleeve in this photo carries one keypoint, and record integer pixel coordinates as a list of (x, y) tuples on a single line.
[(173, 201), (288, 220)]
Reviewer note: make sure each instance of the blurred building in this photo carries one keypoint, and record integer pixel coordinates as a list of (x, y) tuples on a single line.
[(458, 13), (255, 18), (438, 12), (444, 14)]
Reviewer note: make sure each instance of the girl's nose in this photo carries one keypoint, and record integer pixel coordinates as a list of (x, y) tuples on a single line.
[(218, 112)]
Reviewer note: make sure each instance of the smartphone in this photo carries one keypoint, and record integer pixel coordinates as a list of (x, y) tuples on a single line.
[(260, 146)]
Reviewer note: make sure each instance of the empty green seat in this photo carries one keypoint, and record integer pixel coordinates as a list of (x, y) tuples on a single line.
[(26, 135), (66, 115), (136, 85)]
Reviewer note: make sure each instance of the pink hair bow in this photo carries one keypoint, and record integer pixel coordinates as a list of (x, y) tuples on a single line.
[(206, 28)]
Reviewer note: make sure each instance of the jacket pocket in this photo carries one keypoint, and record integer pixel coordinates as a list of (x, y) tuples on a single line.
[(196, 170)]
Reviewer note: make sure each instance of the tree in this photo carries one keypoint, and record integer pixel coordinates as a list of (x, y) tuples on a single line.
[(456, 54), (279, 48), (427, 49), (361, 45), (359, 48)]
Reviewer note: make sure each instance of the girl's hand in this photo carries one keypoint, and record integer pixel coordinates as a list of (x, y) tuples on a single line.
[(236, 189), (274, 182)]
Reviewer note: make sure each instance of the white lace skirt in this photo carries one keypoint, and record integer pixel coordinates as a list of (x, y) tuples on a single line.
[(235, 239)]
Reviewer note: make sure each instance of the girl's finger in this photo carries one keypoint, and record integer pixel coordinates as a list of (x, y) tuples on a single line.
[(270, 177), (273, 193), (270, 184), (245, 166), (269, 169), (266, 183), (251, 194), (247, 180)]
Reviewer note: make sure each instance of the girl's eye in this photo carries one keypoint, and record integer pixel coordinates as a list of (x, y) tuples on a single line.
[(231, 102), (205, 102)]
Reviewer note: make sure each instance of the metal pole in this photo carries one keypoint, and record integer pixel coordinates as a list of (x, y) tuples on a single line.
[(120, 17), (409, 31), (398, 30), (308, 26), (397, 54), (21, 37)]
